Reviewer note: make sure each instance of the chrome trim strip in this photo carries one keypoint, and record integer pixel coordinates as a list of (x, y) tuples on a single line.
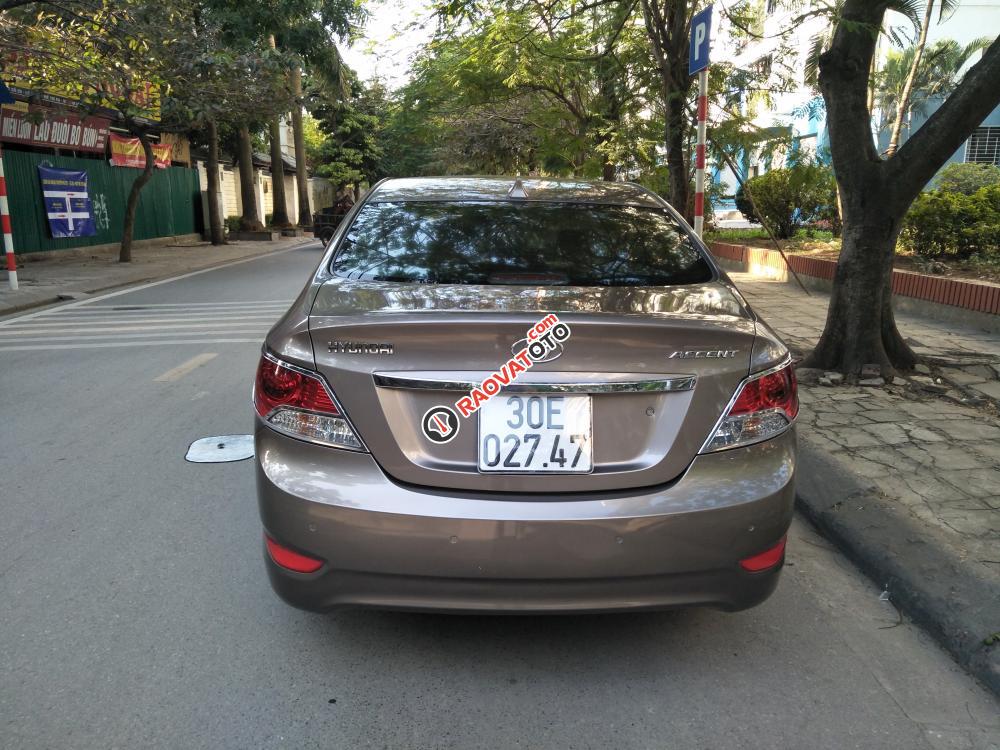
[(670, 384)]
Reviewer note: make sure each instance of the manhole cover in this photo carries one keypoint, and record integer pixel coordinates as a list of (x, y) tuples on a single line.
[(220, 449)]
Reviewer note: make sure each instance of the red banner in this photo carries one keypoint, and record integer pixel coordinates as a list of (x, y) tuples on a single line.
[(39, 126), (127, 152)]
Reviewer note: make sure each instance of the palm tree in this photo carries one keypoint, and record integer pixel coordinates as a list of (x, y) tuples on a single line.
[(903, 105), (904, 89)]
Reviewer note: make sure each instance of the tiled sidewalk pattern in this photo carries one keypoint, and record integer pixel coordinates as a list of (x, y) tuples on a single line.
[(935, 456)]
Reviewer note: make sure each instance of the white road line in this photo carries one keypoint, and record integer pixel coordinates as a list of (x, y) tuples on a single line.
[(220, 303), (179, 310), (148, 285), (96, 312), (185, 367), (176, 327), (260, 333), (43, 323), (122, 344)]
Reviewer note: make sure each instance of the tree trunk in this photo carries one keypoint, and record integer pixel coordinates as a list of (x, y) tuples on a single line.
[(125, 251), (215, 228), (860, 326), (876, 193), (677, 171), (608, 170), (279, 213), (668, 29), (279, 209), (250, 221), (903, 105), (301, 174)]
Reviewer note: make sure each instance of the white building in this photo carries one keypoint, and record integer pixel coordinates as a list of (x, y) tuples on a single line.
[(970, 21)]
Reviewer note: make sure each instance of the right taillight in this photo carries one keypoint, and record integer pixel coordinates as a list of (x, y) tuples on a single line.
[(297, 402), (765, 406), (290, 559)]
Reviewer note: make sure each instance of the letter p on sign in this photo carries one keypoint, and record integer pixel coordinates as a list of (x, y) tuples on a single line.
[(701, 32)]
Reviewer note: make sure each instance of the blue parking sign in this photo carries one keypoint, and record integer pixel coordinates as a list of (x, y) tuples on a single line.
[(701, 32)]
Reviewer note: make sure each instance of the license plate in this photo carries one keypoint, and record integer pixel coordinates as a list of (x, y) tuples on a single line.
[(535, 433)]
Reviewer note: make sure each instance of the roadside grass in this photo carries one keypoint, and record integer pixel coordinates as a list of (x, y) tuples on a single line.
[(758, 233)]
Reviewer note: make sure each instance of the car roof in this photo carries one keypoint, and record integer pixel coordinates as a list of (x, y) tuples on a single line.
[(499, 189)]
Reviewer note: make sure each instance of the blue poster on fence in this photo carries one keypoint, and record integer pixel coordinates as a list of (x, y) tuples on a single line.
[(67, 202)]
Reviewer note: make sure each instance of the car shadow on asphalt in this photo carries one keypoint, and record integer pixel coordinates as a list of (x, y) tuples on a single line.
[(633, 643)]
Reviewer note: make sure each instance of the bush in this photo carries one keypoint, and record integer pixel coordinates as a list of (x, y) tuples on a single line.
[(790, 197), (745, 207), (233, 223), (942, 223), (967, 178)]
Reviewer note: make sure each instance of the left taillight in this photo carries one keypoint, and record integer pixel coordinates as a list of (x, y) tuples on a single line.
[(765, 406), (297, 402)]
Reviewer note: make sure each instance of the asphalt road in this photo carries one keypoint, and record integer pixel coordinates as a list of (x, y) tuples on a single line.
[(135, 612)]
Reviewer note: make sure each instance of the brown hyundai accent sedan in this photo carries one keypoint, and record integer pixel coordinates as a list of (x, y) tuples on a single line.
[(505, 395)]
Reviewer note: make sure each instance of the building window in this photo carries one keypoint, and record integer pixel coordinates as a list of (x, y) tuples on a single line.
[(983, 146)]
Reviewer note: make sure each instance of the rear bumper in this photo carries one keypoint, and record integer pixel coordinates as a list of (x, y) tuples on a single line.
[(392, 546)]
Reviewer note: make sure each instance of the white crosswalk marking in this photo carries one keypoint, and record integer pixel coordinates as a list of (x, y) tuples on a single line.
[(103, 325)]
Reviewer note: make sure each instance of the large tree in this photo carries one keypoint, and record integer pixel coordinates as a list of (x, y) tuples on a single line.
[(219, 86), (876, 192), (349, 122), (305, 30)]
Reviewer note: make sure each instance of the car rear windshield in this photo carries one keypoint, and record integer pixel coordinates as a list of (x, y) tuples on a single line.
[(519, 243)]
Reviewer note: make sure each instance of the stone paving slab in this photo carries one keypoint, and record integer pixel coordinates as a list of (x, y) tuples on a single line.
[(44, 282), (926, 449)]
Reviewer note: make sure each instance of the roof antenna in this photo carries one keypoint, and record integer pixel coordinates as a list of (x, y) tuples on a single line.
[(517, 189)]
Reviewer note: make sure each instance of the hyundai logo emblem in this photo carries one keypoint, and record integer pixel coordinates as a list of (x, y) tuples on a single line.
[(550, 355)]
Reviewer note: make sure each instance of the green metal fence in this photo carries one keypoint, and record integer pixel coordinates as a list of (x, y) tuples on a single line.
[(167, 205)]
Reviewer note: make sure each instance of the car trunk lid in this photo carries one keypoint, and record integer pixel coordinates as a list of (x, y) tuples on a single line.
[(658, 364)]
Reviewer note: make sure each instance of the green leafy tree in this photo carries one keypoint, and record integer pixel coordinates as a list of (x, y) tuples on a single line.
[(305, 31), (553, 86), (220, 85), (349, 152)]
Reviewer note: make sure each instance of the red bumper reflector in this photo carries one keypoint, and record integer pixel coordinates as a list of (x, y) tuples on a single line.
[(766, 559), (291, 559)]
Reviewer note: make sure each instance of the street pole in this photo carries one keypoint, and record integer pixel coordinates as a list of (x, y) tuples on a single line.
[(8, 236), (699, 175), (701, 39)]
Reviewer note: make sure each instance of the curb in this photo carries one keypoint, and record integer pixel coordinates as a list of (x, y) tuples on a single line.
[(933, 587), (15, 309)]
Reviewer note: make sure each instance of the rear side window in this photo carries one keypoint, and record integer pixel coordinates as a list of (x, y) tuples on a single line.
[(519, 243)]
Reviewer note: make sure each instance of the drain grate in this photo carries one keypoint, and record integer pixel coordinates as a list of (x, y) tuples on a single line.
[(220, 449)]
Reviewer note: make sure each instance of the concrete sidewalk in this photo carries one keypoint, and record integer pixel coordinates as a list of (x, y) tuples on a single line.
[(46, 281), (906, 476)]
